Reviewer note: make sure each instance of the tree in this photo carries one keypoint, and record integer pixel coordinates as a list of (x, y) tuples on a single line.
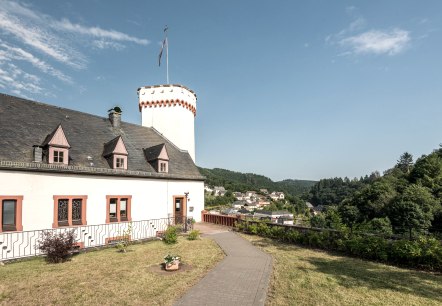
[(407, 216), (428, 172), (379, 226), (332, 218), (373, 199), (317, 221), (405, 162), (349, 214)]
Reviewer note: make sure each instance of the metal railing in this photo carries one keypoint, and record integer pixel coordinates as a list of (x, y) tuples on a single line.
[(15, 245), (219, 219)]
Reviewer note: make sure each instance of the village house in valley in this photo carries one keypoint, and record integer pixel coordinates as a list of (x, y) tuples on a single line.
[(62, 168)]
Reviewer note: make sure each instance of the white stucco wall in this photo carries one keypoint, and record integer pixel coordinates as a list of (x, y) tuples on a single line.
[(151, 198), (175, 122)]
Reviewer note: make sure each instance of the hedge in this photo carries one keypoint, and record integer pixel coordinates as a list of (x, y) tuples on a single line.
[(422, 253)]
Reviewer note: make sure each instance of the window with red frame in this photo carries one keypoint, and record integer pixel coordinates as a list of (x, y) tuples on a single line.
[(118, 208)]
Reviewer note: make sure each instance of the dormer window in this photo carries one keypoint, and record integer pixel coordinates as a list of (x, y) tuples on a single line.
[(163, 166), (56, 147), (116, 154), (119, 163), (58, 156), (158, 157)]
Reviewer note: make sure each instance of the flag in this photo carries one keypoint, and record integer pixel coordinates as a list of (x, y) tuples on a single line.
[(163, 45)]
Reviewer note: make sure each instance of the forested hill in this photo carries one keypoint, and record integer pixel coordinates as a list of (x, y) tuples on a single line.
[(237, 181)]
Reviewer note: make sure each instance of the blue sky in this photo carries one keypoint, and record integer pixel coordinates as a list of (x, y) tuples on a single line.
[(287, 89)]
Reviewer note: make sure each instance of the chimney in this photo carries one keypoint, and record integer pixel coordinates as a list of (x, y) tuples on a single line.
[(38, 154), (115, 118)]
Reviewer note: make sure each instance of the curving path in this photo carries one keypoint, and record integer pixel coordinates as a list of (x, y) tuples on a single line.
[(241, 278)]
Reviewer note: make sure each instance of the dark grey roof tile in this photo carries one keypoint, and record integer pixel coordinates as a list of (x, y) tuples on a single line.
[(24, 123)]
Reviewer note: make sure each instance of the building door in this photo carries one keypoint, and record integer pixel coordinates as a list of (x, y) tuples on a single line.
[(179, 210)]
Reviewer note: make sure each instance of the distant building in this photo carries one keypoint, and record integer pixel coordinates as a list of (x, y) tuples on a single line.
[(239, 204), (281, 216), (229, 211), (276, 196), (219, 191), (264, 191), (239, 196)]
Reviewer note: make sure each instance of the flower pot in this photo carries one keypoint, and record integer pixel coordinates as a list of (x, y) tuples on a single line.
[(173, 266)]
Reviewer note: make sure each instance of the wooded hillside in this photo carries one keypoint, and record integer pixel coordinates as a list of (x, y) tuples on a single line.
[(237, 181)]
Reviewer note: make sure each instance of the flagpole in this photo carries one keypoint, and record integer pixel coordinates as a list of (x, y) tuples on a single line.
[(167, 59), (167, 56)]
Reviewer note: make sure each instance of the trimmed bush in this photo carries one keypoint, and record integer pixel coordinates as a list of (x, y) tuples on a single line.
[(57, 246), (194, 235), (171, 235)]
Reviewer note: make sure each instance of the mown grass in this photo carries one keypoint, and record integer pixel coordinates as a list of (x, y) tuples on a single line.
[(304, 276), (108, 277)]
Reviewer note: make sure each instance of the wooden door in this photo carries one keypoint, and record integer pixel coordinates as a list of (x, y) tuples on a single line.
[(179, 209)]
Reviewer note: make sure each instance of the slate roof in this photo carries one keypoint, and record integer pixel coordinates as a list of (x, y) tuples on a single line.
[(25, 123), (50, 136), (109, 147), (153, 152)]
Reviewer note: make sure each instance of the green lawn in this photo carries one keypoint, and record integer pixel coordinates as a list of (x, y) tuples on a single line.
[(107, 277), (309, 277)]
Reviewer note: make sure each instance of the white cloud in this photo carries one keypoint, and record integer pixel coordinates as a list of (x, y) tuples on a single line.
[(18, 81), (357, 39), (102, 44), (66, 25), (9, 53), (34, 33), (377, 42), (32, 37)]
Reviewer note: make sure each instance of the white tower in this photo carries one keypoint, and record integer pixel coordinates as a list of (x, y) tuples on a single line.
[(171, 110)]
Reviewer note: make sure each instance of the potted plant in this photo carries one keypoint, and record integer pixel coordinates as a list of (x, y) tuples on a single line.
[(171, 262)]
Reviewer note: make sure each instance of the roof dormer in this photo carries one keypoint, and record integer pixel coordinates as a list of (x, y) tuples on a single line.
[(158, 157), (56, 147), (116, 154)]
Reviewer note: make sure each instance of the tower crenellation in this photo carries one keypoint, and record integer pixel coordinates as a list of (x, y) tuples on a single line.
[(171, 110)]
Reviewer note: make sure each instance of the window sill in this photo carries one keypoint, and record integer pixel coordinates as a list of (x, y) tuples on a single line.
[(9, 229)]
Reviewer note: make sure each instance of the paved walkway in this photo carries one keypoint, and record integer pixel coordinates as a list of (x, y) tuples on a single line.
[(241, 278)]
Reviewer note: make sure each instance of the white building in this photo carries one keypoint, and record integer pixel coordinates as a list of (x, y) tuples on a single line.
[(219, 191), (276, 196), (61, 168)]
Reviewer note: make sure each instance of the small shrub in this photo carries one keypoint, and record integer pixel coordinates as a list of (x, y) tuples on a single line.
[(171, 235), (124, 243), (431, 254), (277, 232), (57, 247), (194, 235), (263, 229), (239, 226), (405, 251), (314, 239), (292, 236), (252, 229)]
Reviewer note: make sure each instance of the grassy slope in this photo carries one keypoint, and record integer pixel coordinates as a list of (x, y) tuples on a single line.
[(107, 277), (309, 277)]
